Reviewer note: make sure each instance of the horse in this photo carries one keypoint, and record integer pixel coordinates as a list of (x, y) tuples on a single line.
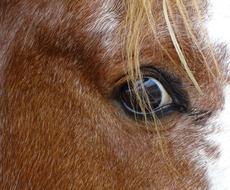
[(114, 94)]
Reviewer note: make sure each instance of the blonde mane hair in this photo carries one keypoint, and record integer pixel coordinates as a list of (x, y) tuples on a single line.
[(139, 14)]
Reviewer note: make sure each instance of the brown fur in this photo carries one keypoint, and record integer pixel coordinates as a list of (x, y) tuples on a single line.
[(59, 125)]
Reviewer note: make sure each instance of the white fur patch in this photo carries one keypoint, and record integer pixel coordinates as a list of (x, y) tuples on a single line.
[(218, 170), (104, 23), (219, 23)]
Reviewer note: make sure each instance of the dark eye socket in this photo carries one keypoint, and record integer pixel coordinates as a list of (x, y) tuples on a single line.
[(158, 90)]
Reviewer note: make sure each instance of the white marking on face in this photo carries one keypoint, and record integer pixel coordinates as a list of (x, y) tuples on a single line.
[(105, 23), (219, 23), (218, 170)]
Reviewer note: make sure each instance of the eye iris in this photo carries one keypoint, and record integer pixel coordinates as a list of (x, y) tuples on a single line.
[(151, 91)]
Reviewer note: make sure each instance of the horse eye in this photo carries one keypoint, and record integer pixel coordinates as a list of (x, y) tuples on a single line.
[(154, 98)]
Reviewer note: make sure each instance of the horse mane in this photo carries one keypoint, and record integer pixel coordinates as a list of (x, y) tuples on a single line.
[(140, 13)]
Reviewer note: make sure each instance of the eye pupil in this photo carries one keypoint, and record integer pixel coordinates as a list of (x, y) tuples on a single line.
[(153, 92), (148, 87)]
